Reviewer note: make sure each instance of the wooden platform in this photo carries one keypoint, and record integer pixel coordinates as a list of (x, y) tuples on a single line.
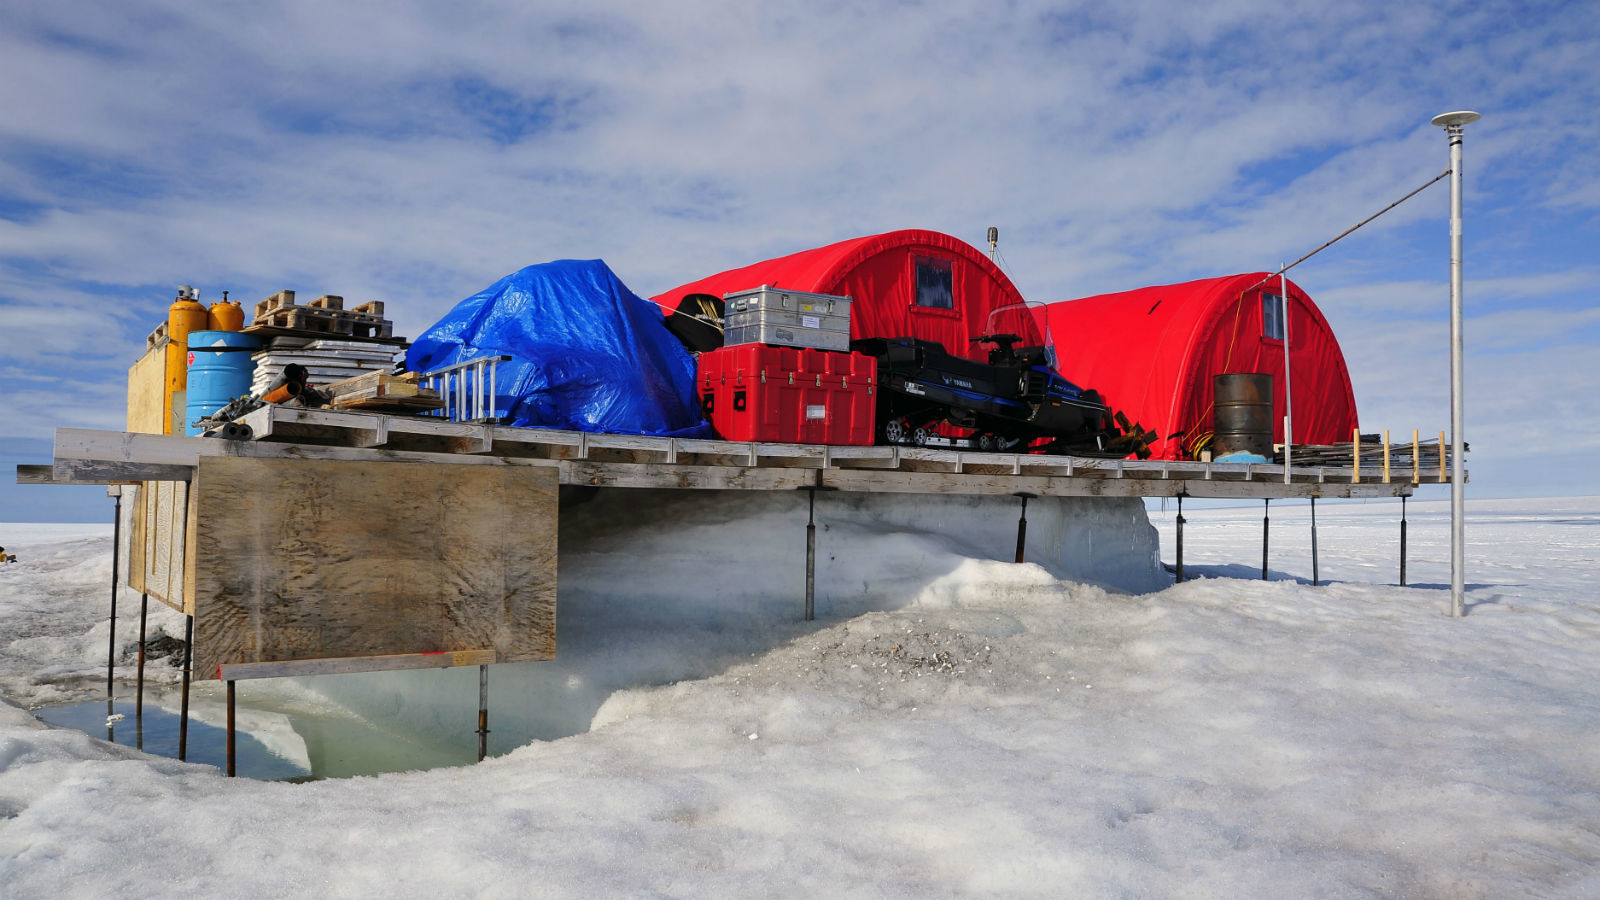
[(102, 457)]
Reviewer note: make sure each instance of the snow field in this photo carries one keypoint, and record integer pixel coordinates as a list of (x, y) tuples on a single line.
[(989, 729)]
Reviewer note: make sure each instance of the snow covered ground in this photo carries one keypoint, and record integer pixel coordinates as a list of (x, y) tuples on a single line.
[(953, 725)]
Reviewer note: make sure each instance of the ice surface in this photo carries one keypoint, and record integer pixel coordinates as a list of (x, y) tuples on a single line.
[(957, 726), (662, 586)]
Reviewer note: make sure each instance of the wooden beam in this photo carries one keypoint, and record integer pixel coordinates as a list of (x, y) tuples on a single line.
[(661, 475), (867, 481), (36, 475), (443, 659), (107, 472), (742, 467)]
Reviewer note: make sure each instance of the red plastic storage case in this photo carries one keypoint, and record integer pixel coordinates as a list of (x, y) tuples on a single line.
[(789, 395)]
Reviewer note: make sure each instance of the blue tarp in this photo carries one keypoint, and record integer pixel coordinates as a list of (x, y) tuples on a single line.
[(587, 353)]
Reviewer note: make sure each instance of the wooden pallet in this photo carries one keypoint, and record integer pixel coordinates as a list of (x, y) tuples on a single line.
[(325, 315), (157, 338)]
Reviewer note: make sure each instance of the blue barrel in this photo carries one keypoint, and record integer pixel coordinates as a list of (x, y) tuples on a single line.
[(220, 369)]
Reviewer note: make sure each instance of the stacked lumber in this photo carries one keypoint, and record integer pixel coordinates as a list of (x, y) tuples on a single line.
[(380, 392), (326, 361), (324, 315), (1429, 454)]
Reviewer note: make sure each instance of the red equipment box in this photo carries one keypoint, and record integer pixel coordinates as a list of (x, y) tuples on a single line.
[(789, 395)]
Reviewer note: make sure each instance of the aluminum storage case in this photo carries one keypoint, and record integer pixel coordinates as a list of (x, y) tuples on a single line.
[(767, 315), (789, 395)]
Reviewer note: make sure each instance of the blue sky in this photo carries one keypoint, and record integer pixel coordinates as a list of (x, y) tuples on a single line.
[(415, 153)]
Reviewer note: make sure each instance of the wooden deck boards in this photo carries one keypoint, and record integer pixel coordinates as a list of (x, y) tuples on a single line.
[(98, 457)]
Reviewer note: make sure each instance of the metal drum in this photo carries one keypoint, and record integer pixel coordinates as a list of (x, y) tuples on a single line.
[(220, 369), (1243, 420)]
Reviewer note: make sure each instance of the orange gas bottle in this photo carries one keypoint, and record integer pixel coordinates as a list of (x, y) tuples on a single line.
[(185, 315), (225, 315)]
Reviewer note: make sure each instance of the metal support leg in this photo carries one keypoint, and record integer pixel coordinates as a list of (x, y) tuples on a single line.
[(1315, 579), (1402, 540), (811, 554), (1266, 532), (231, 769), (1022, 528), (111, 646), (483, 712), (138, 692), (183, 717), (1180, 539)]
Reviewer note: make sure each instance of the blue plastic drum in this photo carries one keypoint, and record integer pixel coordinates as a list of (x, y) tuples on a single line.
[(220, 369)]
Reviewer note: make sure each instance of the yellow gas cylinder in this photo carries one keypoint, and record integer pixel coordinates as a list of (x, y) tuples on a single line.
[(225, 315), (185, 315)]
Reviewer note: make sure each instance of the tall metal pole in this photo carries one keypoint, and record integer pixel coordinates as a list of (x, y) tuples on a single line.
[(1288, 384), (1453, 123)]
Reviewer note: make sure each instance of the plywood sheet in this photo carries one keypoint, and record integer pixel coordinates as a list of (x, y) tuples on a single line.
[(147, 393), (302, 559), (156, 562)]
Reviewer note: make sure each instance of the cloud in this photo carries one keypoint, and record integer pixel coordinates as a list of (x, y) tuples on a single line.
[(414, 153)]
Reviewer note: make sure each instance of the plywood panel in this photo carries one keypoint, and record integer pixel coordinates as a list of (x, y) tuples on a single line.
[(156, 561), (318, 559), (147, 393)]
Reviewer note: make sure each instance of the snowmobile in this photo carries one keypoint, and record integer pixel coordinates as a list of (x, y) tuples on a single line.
[(1011, 401), (1016, 401)]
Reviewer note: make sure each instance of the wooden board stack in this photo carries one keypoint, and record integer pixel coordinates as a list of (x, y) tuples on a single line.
[(378, 392), (326, 361)]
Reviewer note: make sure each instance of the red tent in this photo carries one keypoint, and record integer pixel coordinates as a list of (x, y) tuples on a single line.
[(1152, 352), (909, 283)]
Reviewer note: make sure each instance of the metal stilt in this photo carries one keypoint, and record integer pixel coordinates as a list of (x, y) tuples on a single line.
[(1266, 531), (1180, 539), (483, 712), (231, 769), (111, 645), (183, 717), (1022, 527), (138, 692), (811, 553), (1402, 540), (1315, 579)]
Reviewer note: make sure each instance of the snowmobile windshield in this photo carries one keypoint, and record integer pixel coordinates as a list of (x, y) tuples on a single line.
[(1027, 322)]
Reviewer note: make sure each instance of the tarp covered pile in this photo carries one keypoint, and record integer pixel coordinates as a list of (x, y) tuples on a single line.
[(587, 353)]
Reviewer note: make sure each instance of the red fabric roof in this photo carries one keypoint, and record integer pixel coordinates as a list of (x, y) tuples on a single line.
[(878, 272), (1152, 352)]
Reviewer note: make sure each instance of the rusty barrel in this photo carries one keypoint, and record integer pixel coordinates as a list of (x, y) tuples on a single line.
[(1243, 415)]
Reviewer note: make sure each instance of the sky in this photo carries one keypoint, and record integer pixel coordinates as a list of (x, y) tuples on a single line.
[(415, 153)]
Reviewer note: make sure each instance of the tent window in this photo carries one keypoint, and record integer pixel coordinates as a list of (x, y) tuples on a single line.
[(934, 283), (1272, 317)]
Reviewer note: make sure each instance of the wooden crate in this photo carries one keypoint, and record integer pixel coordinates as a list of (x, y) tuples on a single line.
[(147, 393)]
